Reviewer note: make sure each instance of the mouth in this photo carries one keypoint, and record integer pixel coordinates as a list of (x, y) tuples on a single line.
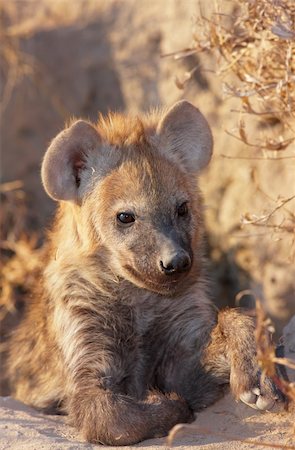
[(170, 284)]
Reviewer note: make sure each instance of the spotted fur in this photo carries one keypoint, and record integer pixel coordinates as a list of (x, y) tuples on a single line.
[(126, 349)]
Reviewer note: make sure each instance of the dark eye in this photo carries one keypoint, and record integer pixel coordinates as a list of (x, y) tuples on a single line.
[(182, 210), (125, 218)]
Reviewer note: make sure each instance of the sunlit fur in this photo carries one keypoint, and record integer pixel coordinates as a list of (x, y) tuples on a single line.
[(121, 347)]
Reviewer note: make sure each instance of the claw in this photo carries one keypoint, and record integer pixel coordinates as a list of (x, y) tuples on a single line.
[(264, 403), (248, 397), (255, 400), (256, 391)]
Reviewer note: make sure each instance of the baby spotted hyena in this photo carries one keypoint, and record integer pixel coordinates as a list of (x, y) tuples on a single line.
[(122, 335)]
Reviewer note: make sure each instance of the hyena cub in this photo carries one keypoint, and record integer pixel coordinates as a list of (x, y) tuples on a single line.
[(122, 336)]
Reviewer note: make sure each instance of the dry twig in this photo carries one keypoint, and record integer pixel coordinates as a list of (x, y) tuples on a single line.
[(266, 354), (201, 430)]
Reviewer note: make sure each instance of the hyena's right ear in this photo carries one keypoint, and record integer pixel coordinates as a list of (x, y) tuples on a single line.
[(65, 161)]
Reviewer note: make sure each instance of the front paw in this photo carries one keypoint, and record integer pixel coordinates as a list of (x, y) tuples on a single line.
[(261, 392), (263, 395), (252, 387)]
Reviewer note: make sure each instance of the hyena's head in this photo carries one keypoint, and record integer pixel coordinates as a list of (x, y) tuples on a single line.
[(131, 187)]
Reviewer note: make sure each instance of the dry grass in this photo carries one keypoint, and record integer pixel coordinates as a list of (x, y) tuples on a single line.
[(19, 20), (266, 355), (20, 248), (253, 48), (279, 219), (14, 63)]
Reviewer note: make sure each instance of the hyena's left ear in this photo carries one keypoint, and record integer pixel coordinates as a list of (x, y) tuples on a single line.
[(65, 169), (185, 136)]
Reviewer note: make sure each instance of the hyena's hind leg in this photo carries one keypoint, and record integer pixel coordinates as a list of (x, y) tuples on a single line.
[(231, 355)]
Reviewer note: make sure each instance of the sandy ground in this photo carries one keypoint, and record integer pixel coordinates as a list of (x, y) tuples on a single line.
[(225, 425), (219, 427)]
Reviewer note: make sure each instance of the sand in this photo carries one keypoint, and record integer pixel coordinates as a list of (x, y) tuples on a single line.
[(218, 427)]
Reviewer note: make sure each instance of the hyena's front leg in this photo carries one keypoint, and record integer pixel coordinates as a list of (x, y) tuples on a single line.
[(100, 352), (231, 355)]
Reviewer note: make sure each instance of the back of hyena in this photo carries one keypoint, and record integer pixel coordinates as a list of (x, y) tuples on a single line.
[(123, 336)]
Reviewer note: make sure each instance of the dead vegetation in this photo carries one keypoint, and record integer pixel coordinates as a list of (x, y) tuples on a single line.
[(14, 63), (279, 219), (21, 250), (266, 355), (253, 47), (206, 431), (19, 20)]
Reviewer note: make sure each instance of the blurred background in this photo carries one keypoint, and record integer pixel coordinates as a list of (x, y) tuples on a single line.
[(234, 60)]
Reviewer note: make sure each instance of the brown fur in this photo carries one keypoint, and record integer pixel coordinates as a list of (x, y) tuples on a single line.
[(124, 347)]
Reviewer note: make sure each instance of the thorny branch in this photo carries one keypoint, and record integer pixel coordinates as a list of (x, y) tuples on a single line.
[(202, 430)]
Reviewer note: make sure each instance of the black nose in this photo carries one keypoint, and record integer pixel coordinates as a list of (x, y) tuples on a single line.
[(178, 263)]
